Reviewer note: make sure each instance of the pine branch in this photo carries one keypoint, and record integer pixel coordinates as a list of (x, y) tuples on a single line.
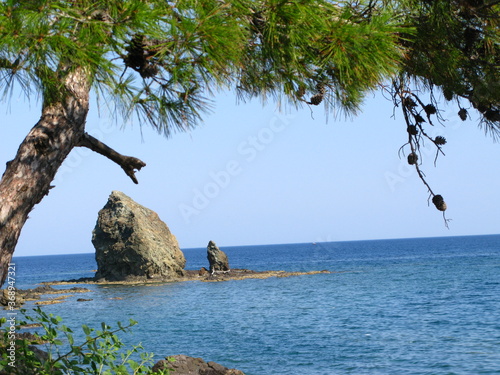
[(128, 163)]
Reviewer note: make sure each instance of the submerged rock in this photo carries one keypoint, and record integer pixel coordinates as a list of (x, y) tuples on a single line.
[(217, 258), (132, 242), (184, 365)]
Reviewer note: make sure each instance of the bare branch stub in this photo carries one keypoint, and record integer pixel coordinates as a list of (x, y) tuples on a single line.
[(129, 164)]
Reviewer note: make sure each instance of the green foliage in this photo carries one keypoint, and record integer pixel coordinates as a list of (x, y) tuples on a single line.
[(101, 353), (162, 61), (456, 50), (297, 46), (453, 49)]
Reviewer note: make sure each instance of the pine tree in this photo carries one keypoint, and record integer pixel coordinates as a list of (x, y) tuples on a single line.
[(160, 62), (456, 50), (453, 50)]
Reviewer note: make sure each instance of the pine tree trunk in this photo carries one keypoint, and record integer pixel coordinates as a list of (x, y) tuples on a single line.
[(27, 178)]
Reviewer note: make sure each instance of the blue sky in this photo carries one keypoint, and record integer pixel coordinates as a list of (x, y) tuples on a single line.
[(251, 174)]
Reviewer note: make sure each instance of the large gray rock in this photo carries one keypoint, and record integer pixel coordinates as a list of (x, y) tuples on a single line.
[(184, 365), (216, 258), (131, 242)]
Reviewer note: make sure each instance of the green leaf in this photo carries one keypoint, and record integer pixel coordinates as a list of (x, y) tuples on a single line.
[(86, 329), (133, 364)]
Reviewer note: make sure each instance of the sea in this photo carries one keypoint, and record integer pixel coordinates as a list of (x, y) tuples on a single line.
[(402, 306)]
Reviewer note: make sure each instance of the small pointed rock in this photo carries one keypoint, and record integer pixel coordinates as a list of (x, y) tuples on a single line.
[(217, 258)]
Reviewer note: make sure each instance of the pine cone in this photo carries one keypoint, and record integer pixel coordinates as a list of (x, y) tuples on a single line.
[(316, 99), (448, 94), (409, 102), (412, 129), (412, 158), (462, 114), (439, 140), (136, 56), (300, 92), (419, 119), (439, 202), (321, 87), (149, 70), (471, 36), (137, 44), (430, 109)]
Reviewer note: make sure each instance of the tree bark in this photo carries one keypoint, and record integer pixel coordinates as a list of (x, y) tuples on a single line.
[(27, 178)]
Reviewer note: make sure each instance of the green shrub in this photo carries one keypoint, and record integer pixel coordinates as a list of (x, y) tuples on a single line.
[(101, 353)]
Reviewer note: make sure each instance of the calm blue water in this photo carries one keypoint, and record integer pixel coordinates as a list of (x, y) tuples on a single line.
[(412, 306)]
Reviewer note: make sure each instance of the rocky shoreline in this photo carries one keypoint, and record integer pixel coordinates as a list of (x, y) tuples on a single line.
[(189, 275), (133, 245), (35, 294)]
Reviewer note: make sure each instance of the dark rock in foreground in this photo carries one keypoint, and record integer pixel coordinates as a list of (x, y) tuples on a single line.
[(184, 365), (217, 259), (133, 244), (177, 364)]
